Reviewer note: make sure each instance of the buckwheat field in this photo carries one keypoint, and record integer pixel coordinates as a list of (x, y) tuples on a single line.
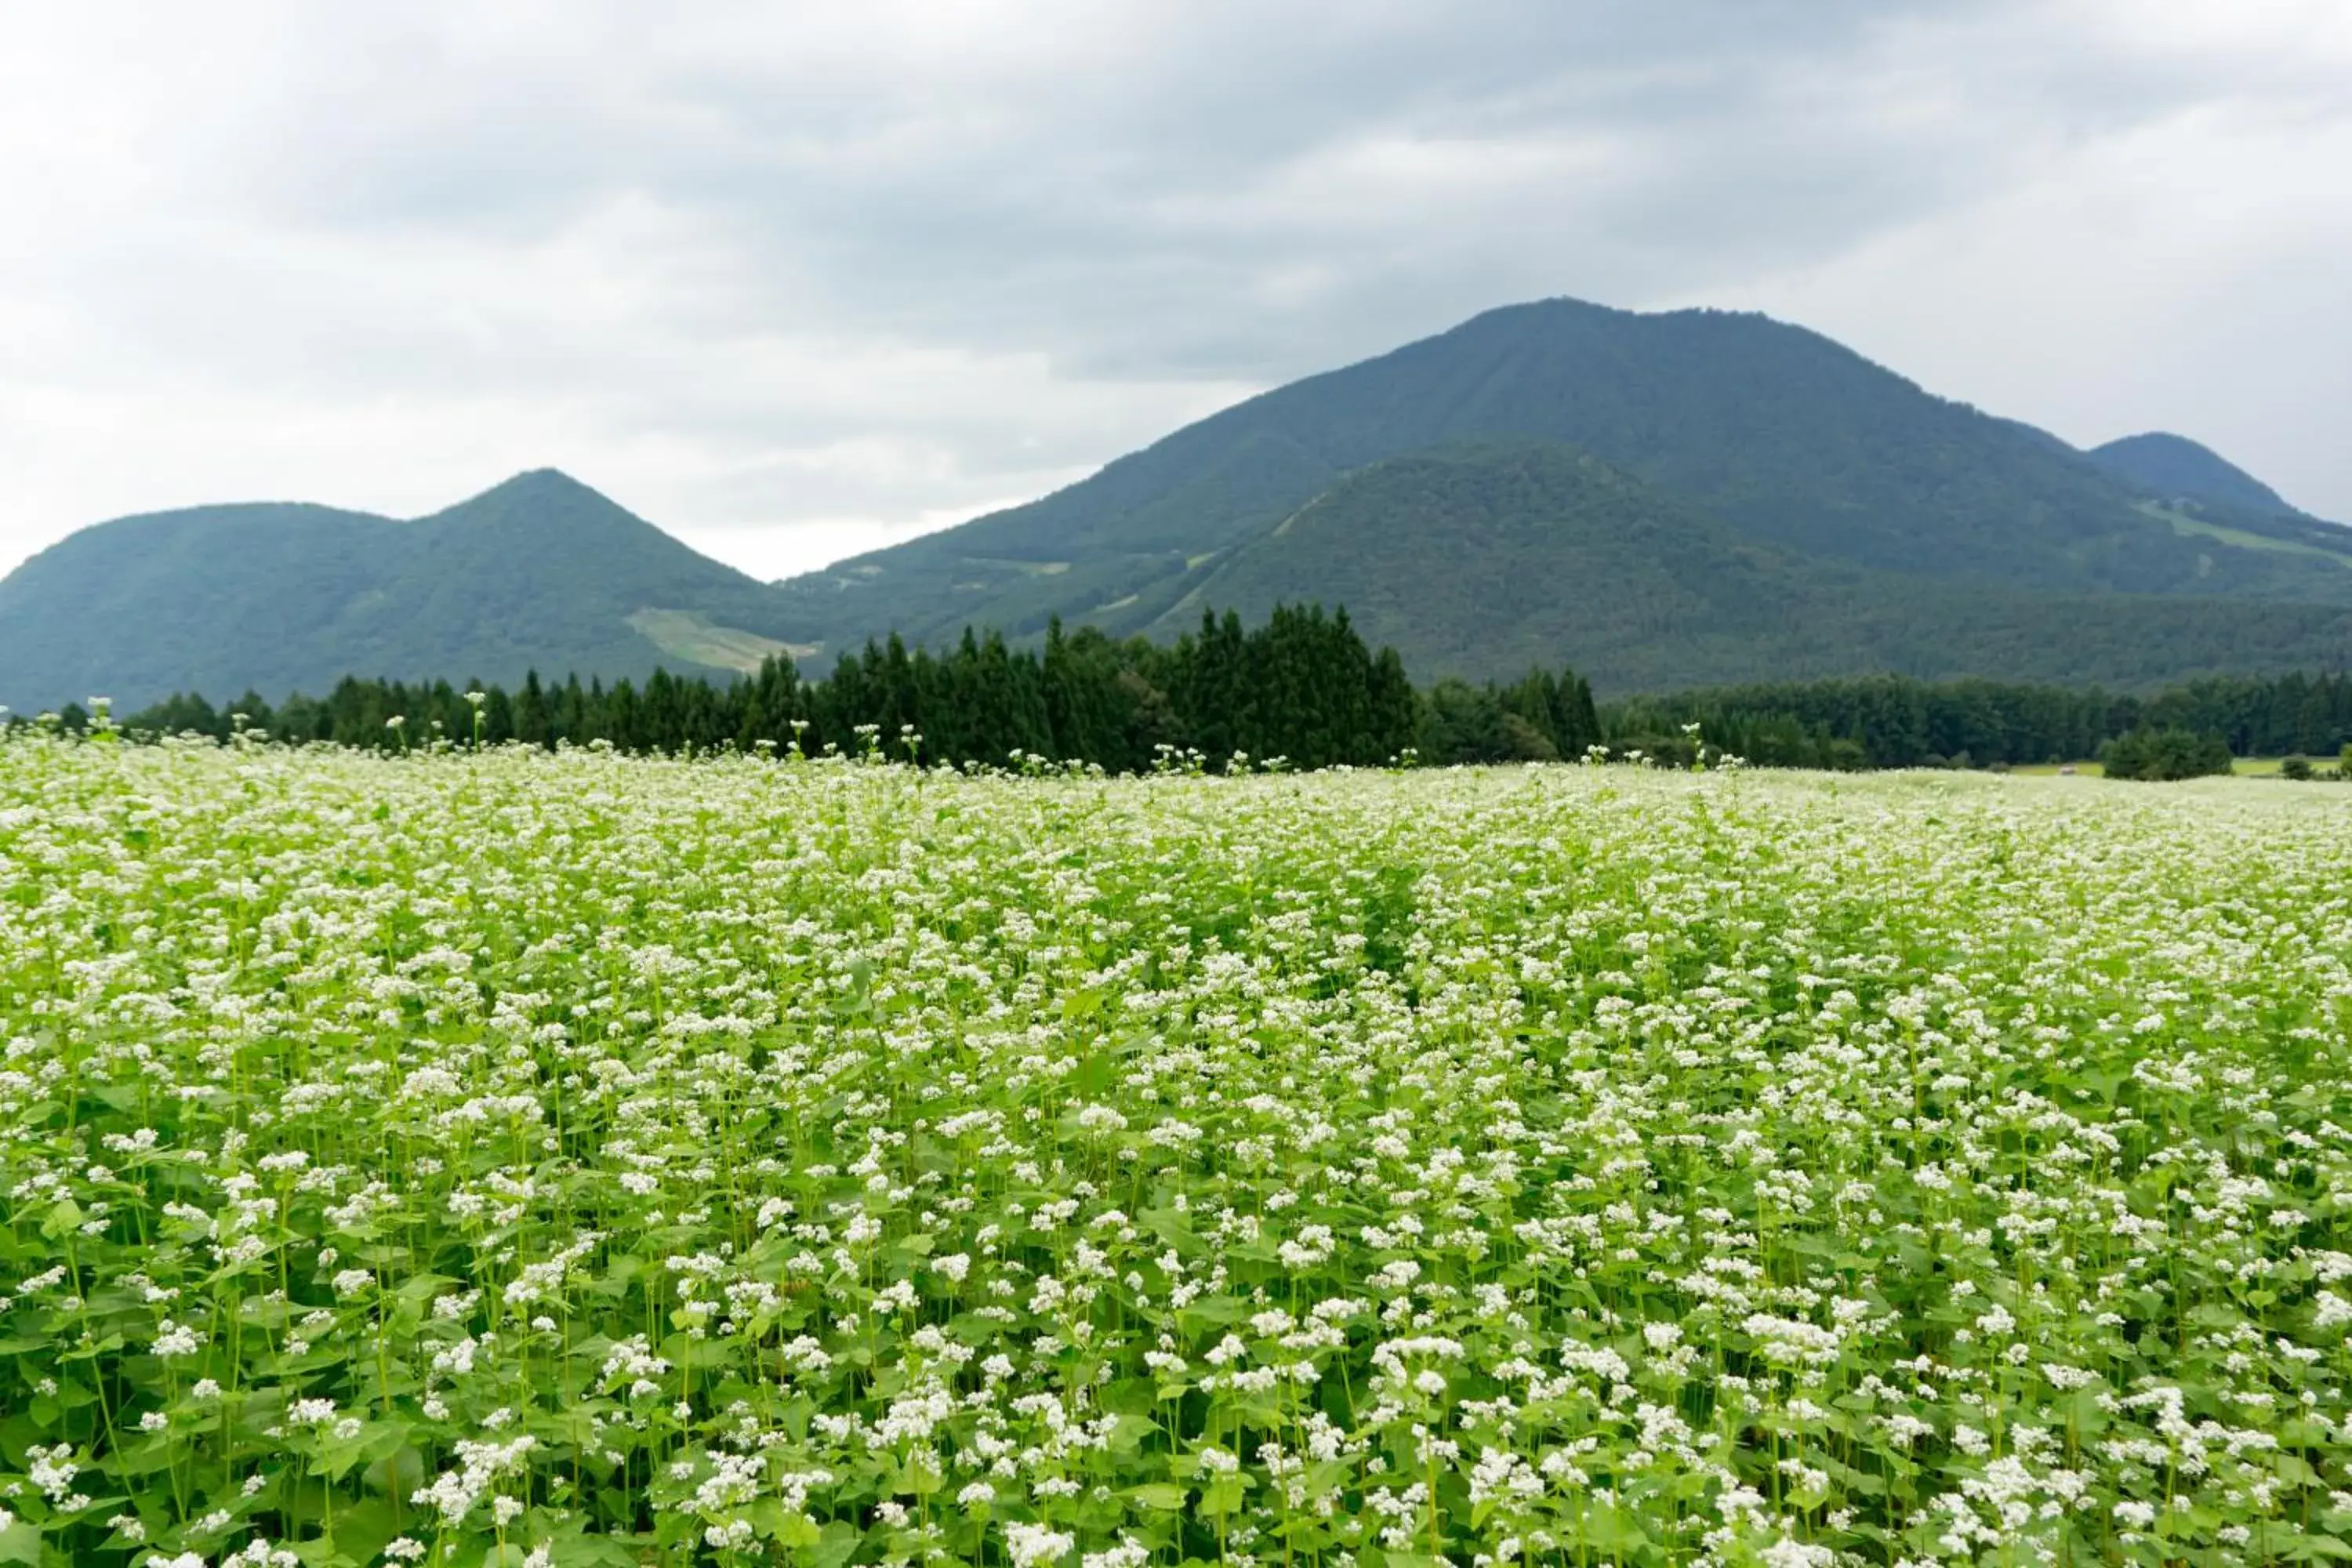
[(531, 1159)]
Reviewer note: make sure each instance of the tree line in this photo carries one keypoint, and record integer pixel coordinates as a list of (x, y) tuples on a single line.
[(1303, 687), (1891, 721)]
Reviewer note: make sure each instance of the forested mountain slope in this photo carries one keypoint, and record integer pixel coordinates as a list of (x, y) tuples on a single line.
[(2173, 467), (1489, 559), (1779, 434), (1664, 499), (539, 571)]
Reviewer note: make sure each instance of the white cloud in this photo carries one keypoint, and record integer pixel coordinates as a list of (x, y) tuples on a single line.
[(797, 282)]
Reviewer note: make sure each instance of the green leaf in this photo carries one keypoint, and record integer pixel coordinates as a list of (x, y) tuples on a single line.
[(594, 1552), (21, 1543), (320, 1551), (1162, 1495), (837, 1543)]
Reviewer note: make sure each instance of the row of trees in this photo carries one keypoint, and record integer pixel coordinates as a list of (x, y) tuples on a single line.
[(1303, 687), (1890, 721)]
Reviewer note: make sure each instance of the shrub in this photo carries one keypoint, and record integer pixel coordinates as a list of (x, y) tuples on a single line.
[(2150, 753)]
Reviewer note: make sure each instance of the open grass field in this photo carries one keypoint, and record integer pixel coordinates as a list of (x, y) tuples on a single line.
[(2243, 767), (531, 1160)]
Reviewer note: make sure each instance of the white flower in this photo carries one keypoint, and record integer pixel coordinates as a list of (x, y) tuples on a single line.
[(173, 1341), (1033, 1546)]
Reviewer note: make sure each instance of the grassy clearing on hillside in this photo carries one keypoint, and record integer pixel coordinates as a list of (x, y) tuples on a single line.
[(553, 1159), (2244, 539), (685, 635)]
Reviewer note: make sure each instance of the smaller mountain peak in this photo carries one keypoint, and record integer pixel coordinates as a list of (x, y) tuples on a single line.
[(2162, 441), (541, 481), (2172, 466), (543, 500), (1557, 307), (538, 490)]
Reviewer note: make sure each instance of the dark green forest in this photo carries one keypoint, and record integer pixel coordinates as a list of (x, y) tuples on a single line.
[(1303, 686), (1889, 721)]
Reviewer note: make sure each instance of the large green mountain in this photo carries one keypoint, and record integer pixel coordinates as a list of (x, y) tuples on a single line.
[(539, 571), (1662, 499), (1500, 556), (1778, 435)]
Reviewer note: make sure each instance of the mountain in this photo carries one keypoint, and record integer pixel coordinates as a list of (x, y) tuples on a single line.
[(540, 571), (1778, 435), (2173, 467), (1503, 556), (1669, 499)]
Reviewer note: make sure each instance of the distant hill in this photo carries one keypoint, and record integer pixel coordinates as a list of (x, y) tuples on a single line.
[(1778, 434), (2173, 467), (1497, 557), (540, 571)]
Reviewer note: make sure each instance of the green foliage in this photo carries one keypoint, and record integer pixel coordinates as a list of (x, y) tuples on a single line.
[(1541, 717), (2149, 753), (1301, 688), (521, 1158), (1884, 721)]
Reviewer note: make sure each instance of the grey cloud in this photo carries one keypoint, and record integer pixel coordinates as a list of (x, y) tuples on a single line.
[(825, 263)]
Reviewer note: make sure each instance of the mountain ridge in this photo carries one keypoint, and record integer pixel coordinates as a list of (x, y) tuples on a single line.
[(1781, 432), (1889, 529)]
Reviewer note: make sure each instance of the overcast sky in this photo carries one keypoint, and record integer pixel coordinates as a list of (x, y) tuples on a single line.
[(797, 281)]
